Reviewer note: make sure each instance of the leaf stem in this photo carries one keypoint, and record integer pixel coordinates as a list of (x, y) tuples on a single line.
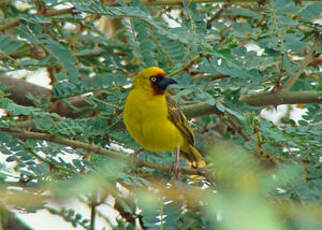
[(186, 66)]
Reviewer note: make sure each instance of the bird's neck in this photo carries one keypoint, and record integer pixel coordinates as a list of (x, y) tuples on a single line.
[(150, 94)]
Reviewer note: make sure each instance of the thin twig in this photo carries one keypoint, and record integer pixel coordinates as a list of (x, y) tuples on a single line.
[(50, 13), (15, 22), (186, 66), (48, 162), (217, 14), (307, 60), (210, 76), (93, 206)]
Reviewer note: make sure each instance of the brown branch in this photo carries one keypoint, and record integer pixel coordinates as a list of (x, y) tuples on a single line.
[(282, 97), (18, 90), (50, 13), (20, 87), (128, 216), (317, 60), (233, 123), (8, 25), (210, 76), (23, 134), (93, 205), (217, 14), (200, 109), (15, 22), (186, 66), (9, 221)]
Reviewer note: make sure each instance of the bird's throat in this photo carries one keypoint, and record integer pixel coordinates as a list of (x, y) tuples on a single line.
[(157, 91)]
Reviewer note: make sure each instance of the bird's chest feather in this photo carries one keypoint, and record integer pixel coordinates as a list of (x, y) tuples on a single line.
[(148, 123)]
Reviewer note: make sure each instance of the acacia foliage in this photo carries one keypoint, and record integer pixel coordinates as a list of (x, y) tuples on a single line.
[(260, 175)]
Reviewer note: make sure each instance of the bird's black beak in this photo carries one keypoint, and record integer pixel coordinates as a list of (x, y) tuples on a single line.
[(163, 82)]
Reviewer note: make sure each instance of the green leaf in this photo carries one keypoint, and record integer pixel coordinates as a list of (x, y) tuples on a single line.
[(64, 56), (311, 10), (241, 11), (35, 19), (293, 42), (8, 44)]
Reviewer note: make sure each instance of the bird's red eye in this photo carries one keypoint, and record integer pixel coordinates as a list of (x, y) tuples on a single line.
[(153, 79)]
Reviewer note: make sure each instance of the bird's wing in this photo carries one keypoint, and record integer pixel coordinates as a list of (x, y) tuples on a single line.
[(177, 117)]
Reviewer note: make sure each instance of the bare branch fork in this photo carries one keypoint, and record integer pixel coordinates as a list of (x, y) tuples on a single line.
[(283, 95)]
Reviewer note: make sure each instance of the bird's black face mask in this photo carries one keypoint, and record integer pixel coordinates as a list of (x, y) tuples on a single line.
[(160, 83)]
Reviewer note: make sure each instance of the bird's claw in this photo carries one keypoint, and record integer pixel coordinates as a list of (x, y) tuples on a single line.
[(175, 169)]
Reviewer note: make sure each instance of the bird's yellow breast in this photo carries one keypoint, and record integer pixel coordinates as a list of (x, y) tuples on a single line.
[(146, 118)]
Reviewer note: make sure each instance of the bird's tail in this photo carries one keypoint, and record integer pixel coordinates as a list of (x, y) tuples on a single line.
[(193, 155)]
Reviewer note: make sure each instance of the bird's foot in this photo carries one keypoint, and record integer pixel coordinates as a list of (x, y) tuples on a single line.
[(175, 169)]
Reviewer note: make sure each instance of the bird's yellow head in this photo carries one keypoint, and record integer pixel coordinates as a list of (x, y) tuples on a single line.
[(153, 80)]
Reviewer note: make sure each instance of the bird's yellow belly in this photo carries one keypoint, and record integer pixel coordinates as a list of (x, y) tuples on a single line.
[(147, 122), (155, 135), (160, 136)]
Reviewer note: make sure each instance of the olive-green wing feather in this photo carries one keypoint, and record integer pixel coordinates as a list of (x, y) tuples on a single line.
[(177, 117), (179, 120)]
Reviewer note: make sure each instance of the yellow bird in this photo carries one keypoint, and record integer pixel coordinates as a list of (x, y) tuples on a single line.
[(155, 120)]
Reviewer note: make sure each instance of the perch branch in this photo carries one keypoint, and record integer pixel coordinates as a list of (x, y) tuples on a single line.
[(18, 90), (282, 97), (23, 134)]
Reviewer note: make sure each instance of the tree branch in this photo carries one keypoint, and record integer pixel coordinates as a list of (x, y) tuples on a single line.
[(8, 25), (18, 90), (9, 221), (210, 77), (186, 66), (282, 97), (93, 206), (200, 109), (49, 13), (217, 14), (23, 134)]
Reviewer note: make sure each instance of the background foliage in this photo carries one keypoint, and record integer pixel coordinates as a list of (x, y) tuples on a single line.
[(68, 142)]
